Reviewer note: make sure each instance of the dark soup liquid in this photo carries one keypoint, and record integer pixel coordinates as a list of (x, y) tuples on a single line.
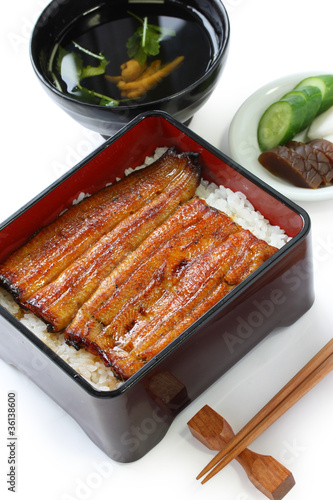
[(106, 30)]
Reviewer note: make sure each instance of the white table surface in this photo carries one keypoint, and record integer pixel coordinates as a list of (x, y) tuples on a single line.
[(39, 143)]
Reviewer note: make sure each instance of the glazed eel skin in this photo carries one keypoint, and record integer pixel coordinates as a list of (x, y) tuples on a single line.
[(58, 302), (179, 272), (58, 270)]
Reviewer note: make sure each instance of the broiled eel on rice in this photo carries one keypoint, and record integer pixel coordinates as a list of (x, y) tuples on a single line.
[(123, 215), (59, 244), (58, 302), (183, 268), (128, 269)]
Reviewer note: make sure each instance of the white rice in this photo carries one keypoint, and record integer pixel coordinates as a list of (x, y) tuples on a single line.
[(238, 207), (87, 365), (90, 367)]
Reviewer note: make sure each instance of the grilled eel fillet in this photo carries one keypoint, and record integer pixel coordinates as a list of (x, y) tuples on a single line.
[(181, 270), (90, 240)]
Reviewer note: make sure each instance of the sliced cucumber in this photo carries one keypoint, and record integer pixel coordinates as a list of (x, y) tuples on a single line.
[(298, 102), (325, 84), (295, 111), (281, 121), (313, 97)]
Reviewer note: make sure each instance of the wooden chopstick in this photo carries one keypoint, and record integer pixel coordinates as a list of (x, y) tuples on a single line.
[(314, 371)]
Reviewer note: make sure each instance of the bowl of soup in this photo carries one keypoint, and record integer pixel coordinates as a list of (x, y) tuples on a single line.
[(104, 63)]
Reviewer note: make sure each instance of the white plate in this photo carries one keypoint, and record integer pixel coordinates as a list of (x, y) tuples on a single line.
[(243, 142)]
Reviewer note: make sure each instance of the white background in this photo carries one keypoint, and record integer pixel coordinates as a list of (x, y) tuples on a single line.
[(269, 39)]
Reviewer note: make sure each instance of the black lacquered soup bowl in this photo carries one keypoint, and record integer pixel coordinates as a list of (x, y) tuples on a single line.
[(60, 15)]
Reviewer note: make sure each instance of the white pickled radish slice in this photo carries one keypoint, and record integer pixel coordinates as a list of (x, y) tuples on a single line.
[(322, 126)]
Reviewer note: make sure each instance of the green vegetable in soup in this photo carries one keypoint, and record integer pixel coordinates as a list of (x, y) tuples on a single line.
[(146, 40), (72, 70)]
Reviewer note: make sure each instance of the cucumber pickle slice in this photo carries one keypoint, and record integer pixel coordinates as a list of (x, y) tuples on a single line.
[(281, 121), (313, 97), (295, 111), (325, 84)]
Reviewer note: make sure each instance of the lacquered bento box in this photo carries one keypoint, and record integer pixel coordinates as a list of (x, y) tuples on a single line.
[(129, 421)]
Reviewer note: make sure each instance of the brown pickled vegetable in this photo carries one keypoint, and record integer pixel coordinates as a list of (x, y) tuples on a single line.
[(304, 164), (286, 163), (324, 146), (319, 161)]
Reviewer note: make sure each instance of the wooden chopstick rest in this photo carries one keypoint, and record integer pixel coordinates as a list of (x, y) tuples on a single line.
[(267, 474), (310, 375)]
